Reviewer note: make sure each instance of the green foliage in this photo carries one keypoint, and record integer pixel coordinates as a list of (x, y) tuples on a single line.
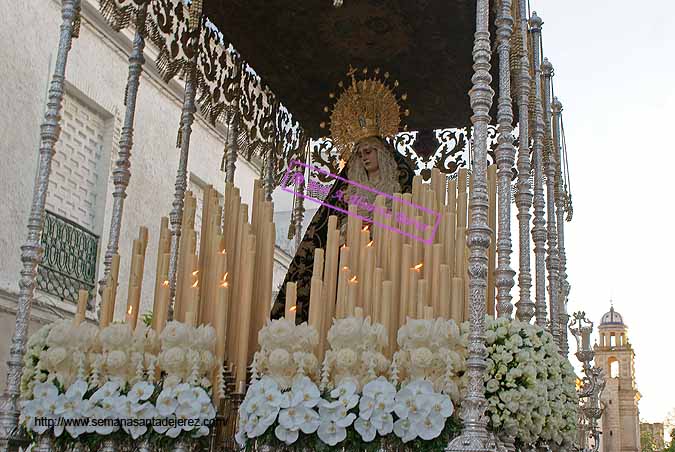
[(355, 443), (647, 442), (671, 448), (147, 318)]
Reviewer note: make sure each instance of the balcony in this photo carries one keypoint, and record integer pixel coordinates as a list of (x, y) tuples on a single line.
[(69, 261)]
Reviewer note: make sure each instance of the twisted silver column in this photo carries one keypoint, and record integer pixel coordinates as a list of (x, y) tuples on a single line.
[(552, 258), (270, 160), (474, 436), (539, 229), (176, 216), (232, 144), (121, 173), (31, 250), (524, 306), (505, 156), (564, 287)]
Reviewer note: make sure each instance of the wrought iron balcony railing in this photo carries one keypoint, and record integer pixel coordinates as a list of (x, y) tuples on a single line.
[(69, 261)]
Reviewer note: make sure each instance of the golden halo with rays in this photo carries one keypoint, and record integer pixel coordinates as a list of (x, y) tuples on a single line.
[(365, 108)]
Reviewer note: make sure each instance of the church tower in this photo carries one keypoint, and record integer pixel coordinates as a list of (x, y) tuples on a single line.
[(621, 417)]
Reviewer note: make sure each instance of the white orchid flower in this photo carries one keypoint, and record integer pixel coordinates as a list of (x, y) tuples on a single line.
[(403, 428), (310, 422), (31, 410), (98, 413), (331, 433), (345, 389), (45, 391), (166, 403), (383, 422), (141, 391), (430, 427), (292, 418), (135, 430), (305, 392), (366, 429), (366, 407), (109, 389), (442, 406), (240, 436), (285, 435)]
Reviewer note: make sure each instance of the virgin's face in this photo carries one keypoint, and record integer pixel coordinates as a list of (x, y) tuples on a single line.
[(368, 150)]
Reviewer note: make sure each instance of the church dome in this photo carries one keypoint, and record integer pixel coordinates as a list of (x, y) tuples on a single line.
[(611, 318)]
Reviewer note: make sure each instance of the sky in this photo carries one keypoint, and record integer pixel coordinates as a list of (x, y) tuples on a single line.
[(615, 74)]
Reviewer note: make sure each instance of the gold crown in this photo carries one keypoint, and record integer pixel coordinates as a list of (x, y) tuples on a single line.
[(366, 108)]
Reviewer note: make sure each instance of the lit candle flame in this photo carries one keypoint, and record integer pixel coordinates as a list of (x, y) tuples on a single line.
[(353, 279), (166, 283), (196, 283), (223, 251), (194, 273), (419, 266), (225, 283), (130, 310), (370, 243), (293, 308), (345, 268), (365, 228)]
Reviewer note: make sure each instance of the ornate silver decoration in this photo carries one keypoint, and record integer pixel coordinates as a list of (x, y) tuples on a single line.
[(524, 306), (553, 259), (232, 146), (474, 436), (505, 155), (109, 445), (121, 173), (564, 288), (592, 385), (176, 216), (31, 251), (539, 229)]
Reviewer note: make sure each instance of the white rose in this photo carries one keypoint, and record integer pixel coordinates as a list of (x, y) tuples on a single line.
[(279, 360), (172, 360), (60, 334), (56, 356), (419, 332), (204, 337), (175, 334), (421, 357), (345, 332), (278, 333), (116, 336), (346, 358), (116, 360)]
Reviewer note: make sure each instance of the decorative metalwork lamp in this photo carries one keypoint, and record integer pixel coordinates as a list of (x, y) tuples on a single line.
[(591, 387)]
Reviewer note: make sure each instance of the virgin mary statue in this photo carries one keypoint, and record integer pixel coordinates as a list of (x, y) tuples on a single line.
[(364, 119)]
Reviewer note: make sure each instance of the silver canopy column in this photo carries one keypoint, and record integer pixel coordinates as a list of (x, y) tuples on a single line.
[(31, 250), (474, 436), (552, 260), (121, 173), (505, 156), (187, 118), (539, 229), (524, 306)]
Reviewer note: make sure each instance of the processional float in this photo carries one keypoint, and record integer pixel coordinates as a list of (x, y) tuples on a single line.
[(208, 311)]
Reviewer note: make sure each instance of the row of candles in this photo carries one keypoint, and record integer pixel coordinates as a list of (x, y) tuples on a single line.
[(234, 261), (390, 276)]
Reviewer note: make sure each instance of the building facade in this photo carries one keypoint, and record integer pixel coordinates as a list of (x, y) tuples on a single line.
[(655, 432), (621, 417), (80, 191)]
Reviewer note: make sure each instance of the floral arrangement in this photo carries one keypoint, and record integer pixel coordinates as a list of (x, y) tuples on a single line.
[(529, 386), (432, 350), (355, 353), (286, 351), (118, 382), (357, 407)]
